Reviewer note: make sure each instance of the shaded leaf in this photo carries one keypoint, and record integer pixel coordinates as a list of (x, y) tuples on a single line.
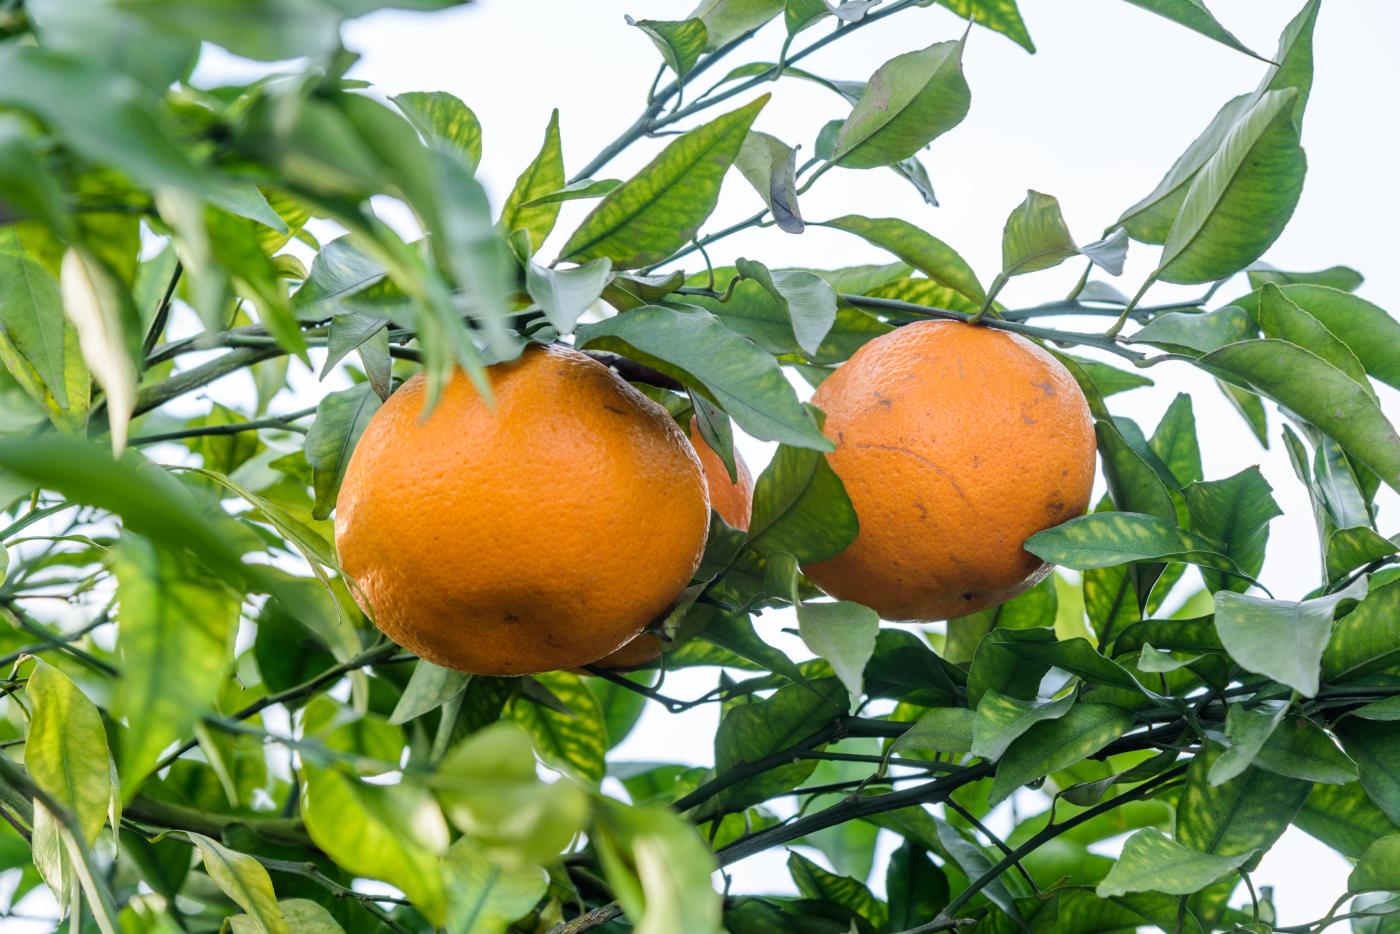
[(340, 420), (1056, 744)]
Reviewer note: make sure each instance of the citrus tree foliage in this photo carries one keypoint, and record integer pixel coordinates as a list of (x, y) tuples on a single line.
[(203, 732)]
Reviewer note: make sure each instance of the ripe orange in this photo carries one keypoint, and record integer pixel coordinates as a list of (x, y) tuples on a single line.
[(955, 444), (733, 500), (540, 532)]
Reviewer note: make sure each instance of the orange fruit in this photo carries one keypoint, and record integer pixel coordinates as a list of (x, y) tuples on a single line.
[(955, 444), (541, 531), (733, 500)]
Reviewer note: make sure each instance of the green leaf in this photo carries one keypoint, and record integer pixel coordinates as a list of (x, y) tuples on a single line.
[(998, 15), (1366, 639), (1052, 745), (66, 748), (340, 420), (1035, 237), (1348, 549), (808, 302), (910, 101), (1235, 512), (817, 883), (1378, 870), (1002, 719), (1333, 277), (727, 20), (695, 348), (974, 862), (105, 319), (245, 881), (111, 122), (440, 116), (391, 832), (800, 508), (1199, 332), (485, 896), (1318, 392), (429, 687), (1237, 818), (175, 641), (659, 869), (943, 729), (1174, 442), (489, 788), (541, 177), (680, 42), (1281, 319), (1281, 639), (31, 315), (1153, 862), (575, 191), (661, 208), (576, 740), (1343, 818), (770, 166), (1243, 196), (1375, 746), (1371, 334), (925, 252), (842, 633), (917, 889), (1193, 15), (1247, 729), (751, 732), (565, 294), (1301, 749), (303, 916), (1105, 539)]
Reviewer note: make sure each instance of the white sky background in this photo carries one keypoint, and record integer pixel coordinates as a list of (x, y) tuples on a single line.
[(1095, 118)]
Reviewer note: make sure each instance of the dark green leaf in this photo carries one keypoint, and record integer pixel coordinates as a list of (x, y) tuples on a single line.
[(1281, 319), (808, 302), (660, 208), (1247, 729), (800, 508), (916, 888), (1193, 15), (1235, 512), (1243, 196), (974, 862), (340, 420), (770, 166), (1245, 814), (694, 347), (1375, 746), (925, 252), (943, 729), (1002, 719), (1201, 331), (1056, 744), (1334, 277), (911, 100), (1371, 333), (1174, 442), (1366, 639), (1035, 237), (428, 688), (815, 882), (1343, 818), (1318, 392), (1104, 539), (541, 177), (1301, 749), (1153, 862)]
